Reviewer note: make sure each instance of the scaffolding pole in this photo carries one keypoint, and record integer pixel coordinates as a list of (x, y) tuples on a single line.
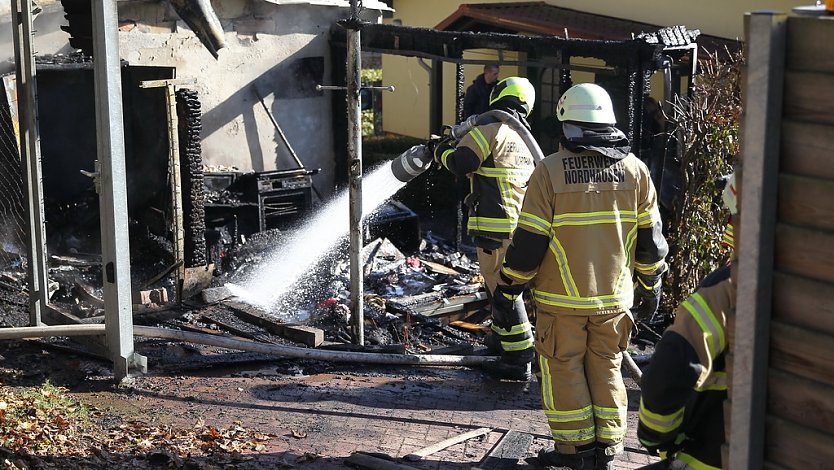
[(30, 152), (115, 249), (354, 114)]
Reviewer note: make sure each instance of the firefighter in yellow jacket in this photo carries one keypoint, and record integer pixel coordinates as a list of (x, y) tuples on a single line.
[(498, 164), (589, 223), (684, 388)]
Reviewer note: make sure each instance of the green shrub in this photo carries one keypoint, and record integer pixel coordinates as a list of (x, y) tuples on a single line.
[(707, 131)]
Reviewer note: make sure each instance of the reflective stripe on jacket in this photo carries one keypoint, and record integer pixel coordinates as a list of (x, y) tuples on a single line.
[(684, 388), (498, 179), (588, 222)]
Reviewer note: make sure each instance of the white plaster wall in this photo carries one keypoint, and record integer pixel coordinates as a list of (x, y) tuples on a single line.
[(262, 39), (49, 39)]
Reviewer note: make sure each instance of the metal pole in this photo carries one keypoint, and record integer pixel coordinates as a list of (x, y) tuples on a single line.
[(354, 115), (115, 248), (30, 152)]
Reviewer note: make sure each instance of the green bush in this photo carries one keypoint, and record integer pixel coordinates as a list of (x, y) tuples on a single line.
[(707, 131)]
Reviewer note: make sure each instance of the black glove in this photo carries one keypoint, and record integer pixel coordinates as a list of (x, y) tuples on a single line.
[(441, 146), (646, 297), (504, 305)]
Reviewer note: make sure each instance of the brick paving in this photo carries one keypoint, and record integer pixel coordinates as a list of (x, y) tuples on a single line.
[(321, 417)]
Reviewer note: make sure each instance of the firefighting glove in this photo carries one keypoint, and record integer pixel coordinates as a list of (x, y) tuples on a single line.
[(646, 297), (505, 305), (441, 147)]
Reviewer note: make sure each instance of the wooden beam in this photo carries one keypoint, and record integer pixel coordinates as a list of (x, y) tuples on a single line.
[(762, 104), (802, 352), (793, 446), (426, 451)]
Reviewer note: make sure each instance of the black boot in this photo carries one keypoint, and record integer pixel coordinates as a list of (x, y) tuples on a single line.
[(605, 455), (503, 370), (582, 460)]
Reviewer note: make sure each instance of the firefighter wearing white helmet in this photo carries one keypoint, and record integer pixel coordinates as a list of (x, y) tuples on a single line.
[(588, 225), (688, 372), (498, 164)]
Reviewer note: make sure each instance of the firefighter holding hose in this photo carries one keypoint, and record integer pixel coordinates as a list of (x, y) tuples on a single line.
[(498, 162)]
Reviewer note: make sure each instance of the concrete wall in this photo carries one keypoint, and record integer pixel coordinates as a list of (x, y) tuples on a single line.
[(282, 50), (713, 17), (267, 46)]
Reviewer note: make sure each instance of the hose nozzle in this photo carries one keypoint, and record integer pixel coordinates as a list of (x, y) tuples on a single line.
[(411, 163)]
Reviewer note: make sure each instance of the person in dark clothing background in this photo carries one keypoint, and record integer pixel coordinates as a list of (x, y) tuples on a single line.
[(476, 99)]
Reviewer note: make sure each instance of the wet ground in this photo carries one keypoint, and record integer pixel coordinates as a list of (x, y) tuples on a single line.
[(320, 413)]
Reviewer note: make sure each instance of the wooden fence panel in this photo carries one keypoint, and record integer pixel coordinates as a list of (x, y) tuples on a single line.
[(802, 352), (805, 252), (803, 302), (806, 201), (802, 98), (801, 401), (793, 446), (808, 43), (806, 149)]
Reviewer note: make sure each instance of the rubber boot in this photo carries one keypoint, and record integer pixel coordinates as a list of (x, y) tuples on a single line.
[(582, 460), (503, 370), (605, 455)]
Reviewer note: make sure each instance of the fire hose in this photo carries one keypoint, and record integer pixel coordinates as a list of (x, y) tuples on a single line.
[(419, 158)]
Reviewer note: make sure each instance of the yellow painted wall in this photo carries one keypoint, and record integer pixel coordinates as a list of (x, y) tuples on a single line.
[(406, 110)]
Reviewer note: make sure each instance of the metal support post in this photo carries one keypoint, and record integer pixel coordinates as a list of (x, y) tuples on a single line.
[(30, 152), (115, 249), (354, 115), (174, 173)]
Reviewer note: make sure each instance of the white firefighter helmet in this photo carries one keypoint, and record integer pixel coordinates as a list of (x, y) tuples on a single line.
[(729, 195), (586, 102)]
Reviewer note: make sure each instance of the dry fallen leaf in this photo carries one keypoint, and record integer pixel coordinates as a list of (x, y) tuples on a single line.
[(298, 434)]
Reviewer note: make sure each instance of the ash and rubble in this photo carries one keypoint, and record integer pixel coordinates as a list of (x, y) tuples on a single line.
[(410, 298)]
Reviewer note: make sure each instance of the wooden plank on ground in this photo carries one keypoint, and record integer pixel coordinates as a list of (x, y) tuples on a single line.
[(802, 352), (509, 450), (803, 100), (794, 446), (375, 463), (425, 451), (808, 39), (806, 149), (804, 252), (807, 202), (803, 302), (800, 400), (255, 316)]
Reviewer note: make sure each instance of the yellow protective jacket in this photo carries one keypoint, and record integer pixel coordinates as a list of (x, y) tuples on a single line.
[(498, 164), (588, 222), (685, 386)]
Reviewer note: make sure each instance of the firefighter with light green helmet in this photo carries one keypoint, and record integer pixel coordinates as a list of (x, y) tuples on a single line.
[(498, 164)]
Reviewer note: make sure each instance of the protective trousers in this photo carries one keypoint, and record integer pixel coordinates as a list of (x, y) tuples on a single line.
[(583, 394), (489, 261)]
